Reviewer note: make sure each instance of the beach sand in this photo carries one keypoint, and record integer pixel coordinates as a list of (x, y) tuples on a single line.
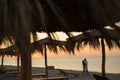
[(55, 73)]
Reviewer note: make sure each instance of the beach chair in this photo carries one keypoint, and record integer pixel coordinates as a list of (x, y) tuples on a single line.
[(2, 71), (97, 77), (39, 75), (50, 67), (62, 72), (12, 73), (54, 78)]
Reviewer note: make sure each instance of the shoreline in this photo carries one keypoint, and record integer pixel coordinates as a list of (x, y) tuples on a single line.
[(55, 72)]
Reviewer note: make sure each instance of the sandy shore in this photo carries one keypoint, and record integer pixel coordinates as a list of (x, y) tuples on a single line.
[(52, 73)]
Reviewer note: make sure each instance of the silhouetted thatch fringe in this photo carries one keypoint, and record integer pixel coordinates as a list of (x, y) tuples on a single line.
[(50, 43), (39, 45), (111, 37), (10, 51)]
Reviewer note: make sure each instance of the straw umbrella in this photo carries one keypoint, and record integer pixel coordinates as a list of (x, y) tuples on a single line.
[(25, 16), (111, 37), (39, 45), (52, 44), (2, 55), (9, 51)]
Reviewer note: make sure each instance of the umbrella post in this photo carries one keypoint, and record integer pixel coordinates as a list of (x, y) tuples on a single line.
[(46, 69), (18, 66), (2, 61), (103, 57)]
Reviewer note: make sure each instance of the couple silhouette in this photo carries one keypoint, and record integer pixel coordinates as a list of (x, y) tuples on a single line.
[(85, 66)]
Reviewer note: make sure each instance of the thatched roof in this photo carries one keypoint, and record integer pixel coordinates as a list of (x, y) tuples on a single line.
[(81, 15), (50, 43), (11, 51), (111, 37), (37, 45), (57, 15)]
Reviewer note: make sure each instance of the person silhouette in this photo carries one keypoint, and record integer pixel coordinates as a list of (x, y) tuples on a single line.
[(85, 66)]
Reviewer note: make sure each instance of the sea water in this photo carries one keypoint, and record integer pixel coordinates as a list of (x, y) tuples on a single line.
[(74, 63)]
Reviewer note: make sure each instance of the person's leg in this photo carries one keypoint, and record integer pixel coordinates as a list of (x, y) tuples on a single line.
[(87, 73), (83, 70)]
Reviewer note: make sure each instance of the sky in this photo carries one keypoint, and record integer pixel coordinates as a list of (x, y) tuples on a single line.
[(58, 35)]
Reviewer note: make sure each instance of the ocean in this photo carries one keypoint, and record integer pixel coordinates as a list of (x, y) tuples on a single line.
[(74, 63)]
